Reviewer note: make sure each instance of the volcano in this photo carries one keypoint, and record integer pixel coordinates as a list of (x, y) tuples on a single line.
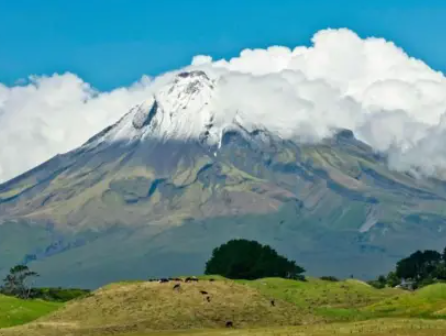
[(153, 194)]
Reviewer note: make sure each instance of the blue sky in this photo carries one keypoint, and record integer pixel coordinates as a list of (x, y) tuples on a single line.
[(110, 43)]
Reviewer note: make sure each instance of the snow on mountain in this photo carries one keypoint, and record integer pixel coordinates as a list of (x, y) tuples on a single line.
[(185, 109)]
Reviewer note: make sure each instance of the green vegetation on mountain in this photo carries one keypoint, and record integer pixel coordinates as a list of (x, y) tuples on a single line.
[(334, 207)]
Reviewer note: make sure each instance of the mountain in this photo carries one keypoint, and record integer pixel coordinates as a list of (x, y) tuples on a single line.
[(153, 194)]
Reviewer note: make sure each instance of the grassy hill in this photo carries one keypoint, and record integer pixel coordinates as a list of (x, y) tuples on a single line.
[(428, 302), (130, 307), (314, 307), (335, 301), (16, 312), (387, 327)]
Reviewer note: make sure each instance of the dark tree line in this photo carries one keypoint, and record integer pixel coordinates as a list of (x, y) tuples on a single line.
[(417, 270), (243, 259)]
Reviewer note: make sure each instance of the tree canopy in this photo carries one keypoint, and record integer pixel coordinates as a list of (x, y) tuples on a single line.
[(243, 259), (418, 265), (419, 269), (15, 283)]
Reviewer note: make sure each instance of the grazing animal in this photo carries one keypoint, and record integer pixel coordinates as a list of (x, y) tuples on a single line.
[(177, 287), (208, 298), (229, 324), (211, 280), (189, 279), (273, 303), (164, 280), (204, 292), (177, 279)]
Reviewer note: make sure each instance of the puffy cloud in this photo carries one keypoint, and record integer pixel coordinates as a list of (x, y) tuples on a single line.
[(393, 102), (51, 115)]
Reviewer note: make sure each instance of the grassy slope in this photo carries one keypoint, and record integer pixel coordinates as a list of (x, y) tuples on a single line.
[(385, 327), (125, 307), (15, 311), (394, 327), (133, 308), (428, 302), (335, 301)]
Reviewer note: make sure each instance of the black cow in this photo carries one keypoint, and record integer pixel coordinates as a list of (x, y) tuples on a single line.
[(229, 324)]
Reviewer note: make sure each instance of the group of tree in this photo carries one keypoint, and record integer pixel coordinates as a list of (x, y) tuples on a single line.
[(18, 282), (244, 259), (417, 270)]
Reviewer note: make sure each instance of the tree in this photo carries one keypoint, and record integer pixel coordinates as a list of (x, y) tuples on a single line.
[(243, 259), (440, 272), (393, 280), (379, 283), (15, 283), (418, 265), (443, 256)]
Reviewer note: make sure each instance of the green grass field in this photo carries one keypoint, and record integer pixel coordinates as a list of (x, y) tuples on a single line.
[(313, 307), (335, 301), (16, 312)]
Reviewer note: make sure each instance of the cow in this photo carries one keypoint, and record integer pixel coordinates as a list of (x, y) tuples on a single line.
[(204, 292), (229, 324), (208, 298), (177, 287), (191, 279), (164, 280), (273, 303)]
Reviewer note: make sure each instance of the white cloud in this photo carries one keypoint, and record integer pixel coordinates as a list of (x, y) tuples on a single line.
[(391, 101), (51, 115)]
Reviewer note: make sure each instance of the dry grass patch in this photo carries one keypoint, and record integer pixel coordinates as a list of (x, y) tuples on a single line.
[(153, 306)]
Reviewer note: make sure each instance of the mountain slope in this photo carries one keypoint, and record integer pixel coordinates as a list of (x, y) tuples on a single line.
[(175, 177)]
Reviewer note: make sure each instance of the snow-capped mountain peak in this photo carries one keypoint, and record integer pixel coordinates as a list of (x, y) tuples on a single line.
[(184, 109)]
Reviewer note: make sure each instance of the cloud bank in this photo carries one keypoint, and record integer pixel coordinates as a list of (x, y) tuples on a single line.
[(393, 102)]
